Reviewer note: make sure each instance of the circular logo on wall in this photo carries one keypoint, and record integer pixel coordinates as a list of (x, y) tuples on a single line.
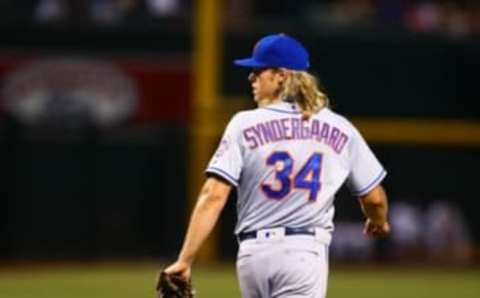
[(69, 93)]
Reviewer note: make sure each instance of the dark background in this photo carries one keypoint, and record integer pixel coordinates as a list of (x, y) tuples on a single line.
[(121, 191)]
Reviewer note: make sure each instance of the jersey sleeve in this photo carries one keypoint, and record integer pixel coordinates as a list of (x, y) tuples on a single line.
[(366, 172), (227, 161)]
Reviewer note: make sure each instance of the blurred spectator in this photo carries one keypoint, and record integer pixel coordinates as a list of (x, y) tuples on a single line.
[(105, 12), (50, 10), (109, 12), (350, 244), (341, 13), (424, 17), (163, 8), (438, 232), (447, 236), (474, 18), (354, 12), (407, 227), (71, 12), (454, 19), (239, 12)]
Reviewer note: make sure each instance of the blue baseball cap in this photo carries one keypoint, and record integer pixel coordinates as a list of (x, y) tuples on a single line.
[(278, 50)]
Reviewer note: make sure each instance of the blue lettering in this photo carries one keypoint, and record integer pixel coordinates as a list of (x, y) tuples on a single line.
[(325, 132), (277, 130), (341, 143), (258, 135), (266, 131), (305, 130), (333, 137), (285, 128), (295, 128), (249, 138), (316, 129)]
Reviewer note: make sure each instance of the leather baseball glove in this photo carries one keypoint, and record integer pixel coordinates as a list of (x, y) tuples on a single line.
[(173, 286)]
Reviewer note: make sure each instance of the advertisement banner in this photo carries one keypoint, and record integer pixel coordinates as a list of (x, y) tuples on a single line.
[(94, 91)]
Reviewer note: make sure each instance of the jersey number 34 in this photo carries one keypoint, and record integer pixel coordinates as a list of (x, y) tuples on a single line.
[(308, 178)]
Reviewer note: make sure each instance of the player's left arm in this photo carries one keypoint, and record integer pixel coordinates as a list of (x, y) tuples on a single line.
[(374, 205), (210, 203)]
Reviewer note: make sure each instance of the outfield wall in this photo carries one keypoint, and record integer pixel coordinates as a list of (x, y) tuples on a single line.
[(121, 191)]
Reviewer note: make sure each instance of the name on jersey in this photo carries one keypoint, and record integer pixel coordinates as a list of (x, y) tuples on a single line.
[(272, 131)]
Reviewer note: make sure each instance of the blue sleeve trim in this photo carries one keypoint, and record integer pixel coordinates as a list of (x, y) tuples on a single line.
[(223, 174), (371, 185), (282, 111)]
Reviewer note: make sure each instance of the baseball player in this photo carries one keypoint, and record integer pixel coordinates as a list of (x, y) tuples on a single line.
[(287, 159)]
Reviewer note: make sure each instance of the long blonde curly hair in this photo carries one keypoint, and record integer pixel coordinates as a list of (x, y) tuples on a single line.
[(303, 88)]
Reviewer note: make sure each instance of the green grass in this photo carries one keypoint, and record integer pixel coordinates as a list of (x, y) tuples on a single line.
[(403, 282), (137, 280)]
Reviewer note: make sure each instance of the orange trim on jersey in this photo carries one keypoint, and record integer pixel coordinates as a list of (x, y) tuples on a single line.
[(290, 177), (319, 178)]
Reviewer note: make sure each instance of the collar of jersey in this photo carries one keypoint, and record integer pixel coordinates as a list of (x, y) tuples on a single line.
[(283, 107)]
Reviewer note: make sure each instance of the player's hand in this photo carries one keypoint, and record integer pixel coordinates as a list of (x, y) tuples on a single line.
[(374, 229), (173, 282), (180, 268)]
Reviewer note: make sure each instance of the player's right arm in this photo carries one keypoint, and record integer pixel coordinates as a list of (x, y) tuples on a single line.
[(211, 201), (223, 174), (374, 205)]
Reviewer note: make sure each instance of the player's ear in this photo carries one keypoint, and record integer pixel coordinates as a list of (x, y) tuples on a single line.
[(283, 73), (251, 77)]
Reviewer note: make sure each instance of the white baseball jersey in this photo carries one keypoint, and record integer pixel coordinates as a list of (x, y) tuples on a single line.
[(287, 170)]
